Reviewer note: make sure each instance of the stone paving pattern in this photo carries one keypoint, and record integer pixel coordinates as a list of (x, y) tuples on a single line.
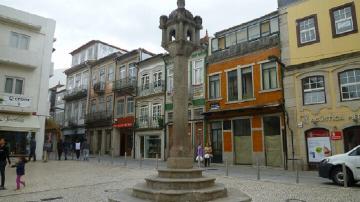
[(93, 181)]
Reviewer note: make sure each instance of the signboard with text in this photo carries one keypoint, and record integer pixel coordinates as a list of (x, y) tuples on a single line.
[(15, 101)]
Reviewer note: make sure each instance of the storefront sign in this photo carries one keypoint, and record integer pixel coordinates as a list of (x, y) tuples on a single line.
[(336, 135), (126, 122), (15, 101), (318, 148), (214, 106), (12, 118), (330, 118)]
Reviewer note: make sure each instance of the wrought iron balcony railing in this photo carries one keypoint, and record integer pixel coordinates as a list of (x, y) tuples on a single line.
[(76, 93), (153, 122), (99, 87), (99, 117), (125, 84), (153, 88)]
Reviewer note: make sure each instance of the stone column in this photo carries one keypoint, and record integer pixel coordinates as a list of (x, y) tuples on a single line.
[(181, 150), (103, 141)]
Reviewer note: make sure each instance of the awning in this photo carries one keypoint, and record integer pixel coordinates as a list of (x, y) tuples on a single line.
[(23, 123)]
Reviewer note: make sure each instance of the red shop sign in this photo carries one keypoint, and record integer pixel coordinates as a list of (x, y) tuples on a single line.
[(336, 135), (126, 122)]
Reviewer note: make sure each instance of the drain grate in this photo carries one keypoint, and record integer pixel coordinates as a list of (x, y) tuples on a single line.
[(294, 200), (52, 199)]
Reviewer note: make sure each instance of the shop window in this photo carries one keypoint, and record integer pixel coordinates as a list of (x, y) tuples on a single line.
[(214, 86), (307, 30), (350, 84), (152, 146), (233, 93), (269, 76), (343, 20), (314, 90), (247, 83)]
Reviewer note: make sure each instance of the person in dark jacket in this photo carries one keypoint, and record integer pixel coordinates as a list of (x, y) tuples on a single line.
[(32, 149), (60, 148), (20, 171), (4, 155)]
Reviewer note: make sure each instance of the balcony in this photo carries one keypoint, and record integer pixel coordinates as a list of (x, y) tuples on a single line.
[(18, 57), (76, 93), (99, 87), (97, 119), (151, 89), (145, 123), (15, 103), (126, 85)]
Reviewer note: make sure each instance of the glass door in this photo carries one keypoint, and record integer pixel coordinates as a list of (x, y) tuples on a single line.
[(216, 142)]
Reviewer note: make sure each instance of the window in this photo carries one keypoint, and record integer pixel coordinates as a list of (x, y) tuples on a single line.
[(144, 114), (68, 111), (83, 109), (77, 80), (101, 104), (14, 85), (20, 41), (221, 43), (197, 72), (130, 105), (102, 75), (93, 106), (242, 35), (157, 79), (314, 90), (170, 81), (274, 25), (120, 107), (170, 116), (233, 94), (271, 126), (214, 86), (85, 80), (109, 104), (307, 30), (230, 39), (214, 44), (254, 31), (94, 79), (122, 72), (247, 83), (111, 72), (350, 84), (226, 125), (265, 28), (132, 70), (156, 113), (70, 83), (145, 80), (75, 112), (90, 53), (269, 76), (343, 20)]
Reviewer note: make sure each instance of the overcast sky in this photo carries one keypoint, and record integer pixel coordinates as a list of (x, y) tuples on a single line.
[(131, 24)]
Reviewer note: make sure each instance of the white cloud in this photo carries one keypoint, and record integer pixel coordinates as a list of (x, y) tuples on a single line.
[(131, 24)]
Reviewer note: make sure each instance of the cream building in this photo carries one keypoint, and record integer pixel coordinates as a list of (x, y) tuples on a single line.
[(26, 45)]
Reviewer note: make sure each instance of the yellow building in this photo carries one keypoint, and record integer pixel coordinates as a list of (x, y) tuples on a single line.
[(321, 54)]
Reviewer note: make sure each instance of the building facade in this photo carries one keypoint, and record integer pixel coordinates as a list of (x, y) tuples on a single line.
[(244, 107), (320, 52), (26, 45), (149, 102)]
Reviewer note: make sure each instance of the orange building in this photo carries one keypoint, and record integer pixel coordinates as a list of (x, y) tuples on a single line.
[(244, 108)]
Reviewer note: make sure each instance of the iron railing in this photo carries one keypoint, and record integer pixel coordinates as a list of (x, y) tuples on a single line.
[(99, 117), (126, 83), (152, 122), (76, 93), (151, 88), (99, 87)]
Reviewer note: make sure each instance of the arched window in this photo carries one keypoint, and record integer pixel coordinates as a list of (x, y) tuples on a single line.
[(172, 35), (313, 90), (350, 84)]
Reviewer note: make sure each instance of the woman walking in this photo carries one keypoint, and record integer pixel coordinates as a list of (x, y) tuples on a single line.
[(20, 171), (60, 148), (208, 154), (200, 154)]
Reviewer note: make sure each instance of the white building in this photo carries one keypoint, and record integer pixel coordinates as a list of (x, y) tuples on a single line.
[(26, 45)]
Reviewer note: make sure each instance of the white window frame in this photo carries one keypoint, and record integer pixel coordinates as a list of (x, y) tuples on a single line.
[(209, 90), (349, 84), (157, 76), (144, 114), (16, 40), (145, 82), (111, 72), (122, 72), (313, 90), (262, 76), (307, 30), (156, 111), (170, 81), (128, 105), (198, 72), (13, 88), (340, 12), (123, 108)]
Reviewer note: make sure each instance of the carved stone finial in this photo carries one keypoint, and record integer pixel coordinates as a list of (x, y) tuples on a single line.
[(181, 3)]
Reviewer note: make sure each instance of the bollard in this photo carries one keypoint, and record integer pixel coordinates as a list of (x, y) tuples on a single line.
[(99, 157), (227, 167), (125, 162), (140, 161), (345, 177), (157, 161), (297, 171), (112, 157), (258, 168)]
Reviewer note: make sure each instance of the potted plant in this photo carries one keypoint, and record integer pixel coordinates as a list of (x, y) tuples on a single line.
[(161, 122)]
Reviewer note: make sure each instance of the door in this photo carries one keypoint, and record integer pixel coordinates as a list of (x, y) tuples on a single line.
[(122, 143), (351, 138), (242, 141), (216, 142), (272, 134)]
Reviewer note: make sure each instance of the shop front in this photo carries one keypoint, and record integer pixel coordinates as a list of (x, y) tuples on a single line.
[(123, 136), (150, 145)]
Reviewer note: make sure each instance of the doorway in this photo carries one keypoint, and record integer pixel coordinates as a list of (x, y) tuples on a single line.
[(242, 141), (99, 140), (351, 138), (272, 134), (216, 142)]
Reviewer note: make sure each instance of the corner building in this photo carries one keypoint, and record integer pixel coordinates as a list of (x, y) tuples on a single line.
[(244, 107)]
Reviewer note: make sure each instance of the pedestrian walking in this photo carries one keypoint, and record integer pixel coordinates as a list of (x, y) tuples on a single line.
[(77, 149), (20, 171), (208, 154), (86, 150), (200, 153), (32, 149), (47, 150), (4, 155), (66, 147), (60, 148)]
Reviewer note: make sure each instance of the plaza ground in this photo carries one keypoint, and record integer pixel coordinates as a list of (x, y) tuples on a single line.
[(94, 181)]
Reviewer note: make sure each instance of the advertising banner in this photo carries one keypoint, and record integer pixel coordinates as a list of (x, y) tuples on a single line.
[(318, 148)]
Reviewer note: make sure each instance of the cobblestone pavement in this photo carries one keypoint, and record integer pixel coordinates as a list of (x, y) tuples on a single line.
[(93, 181)]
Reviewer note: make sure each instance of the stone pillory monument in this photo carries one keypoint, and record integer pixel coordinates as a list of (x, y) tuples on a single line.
[(180, 181)]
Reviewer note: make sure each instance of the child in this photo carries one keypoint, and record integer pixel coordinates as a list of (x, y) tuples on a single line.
[(20, 171)]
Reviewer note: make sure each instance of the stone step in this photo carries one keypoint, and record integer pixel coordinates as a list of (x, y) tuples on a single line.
[(179, 183), (180, 173), (190, 195)]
